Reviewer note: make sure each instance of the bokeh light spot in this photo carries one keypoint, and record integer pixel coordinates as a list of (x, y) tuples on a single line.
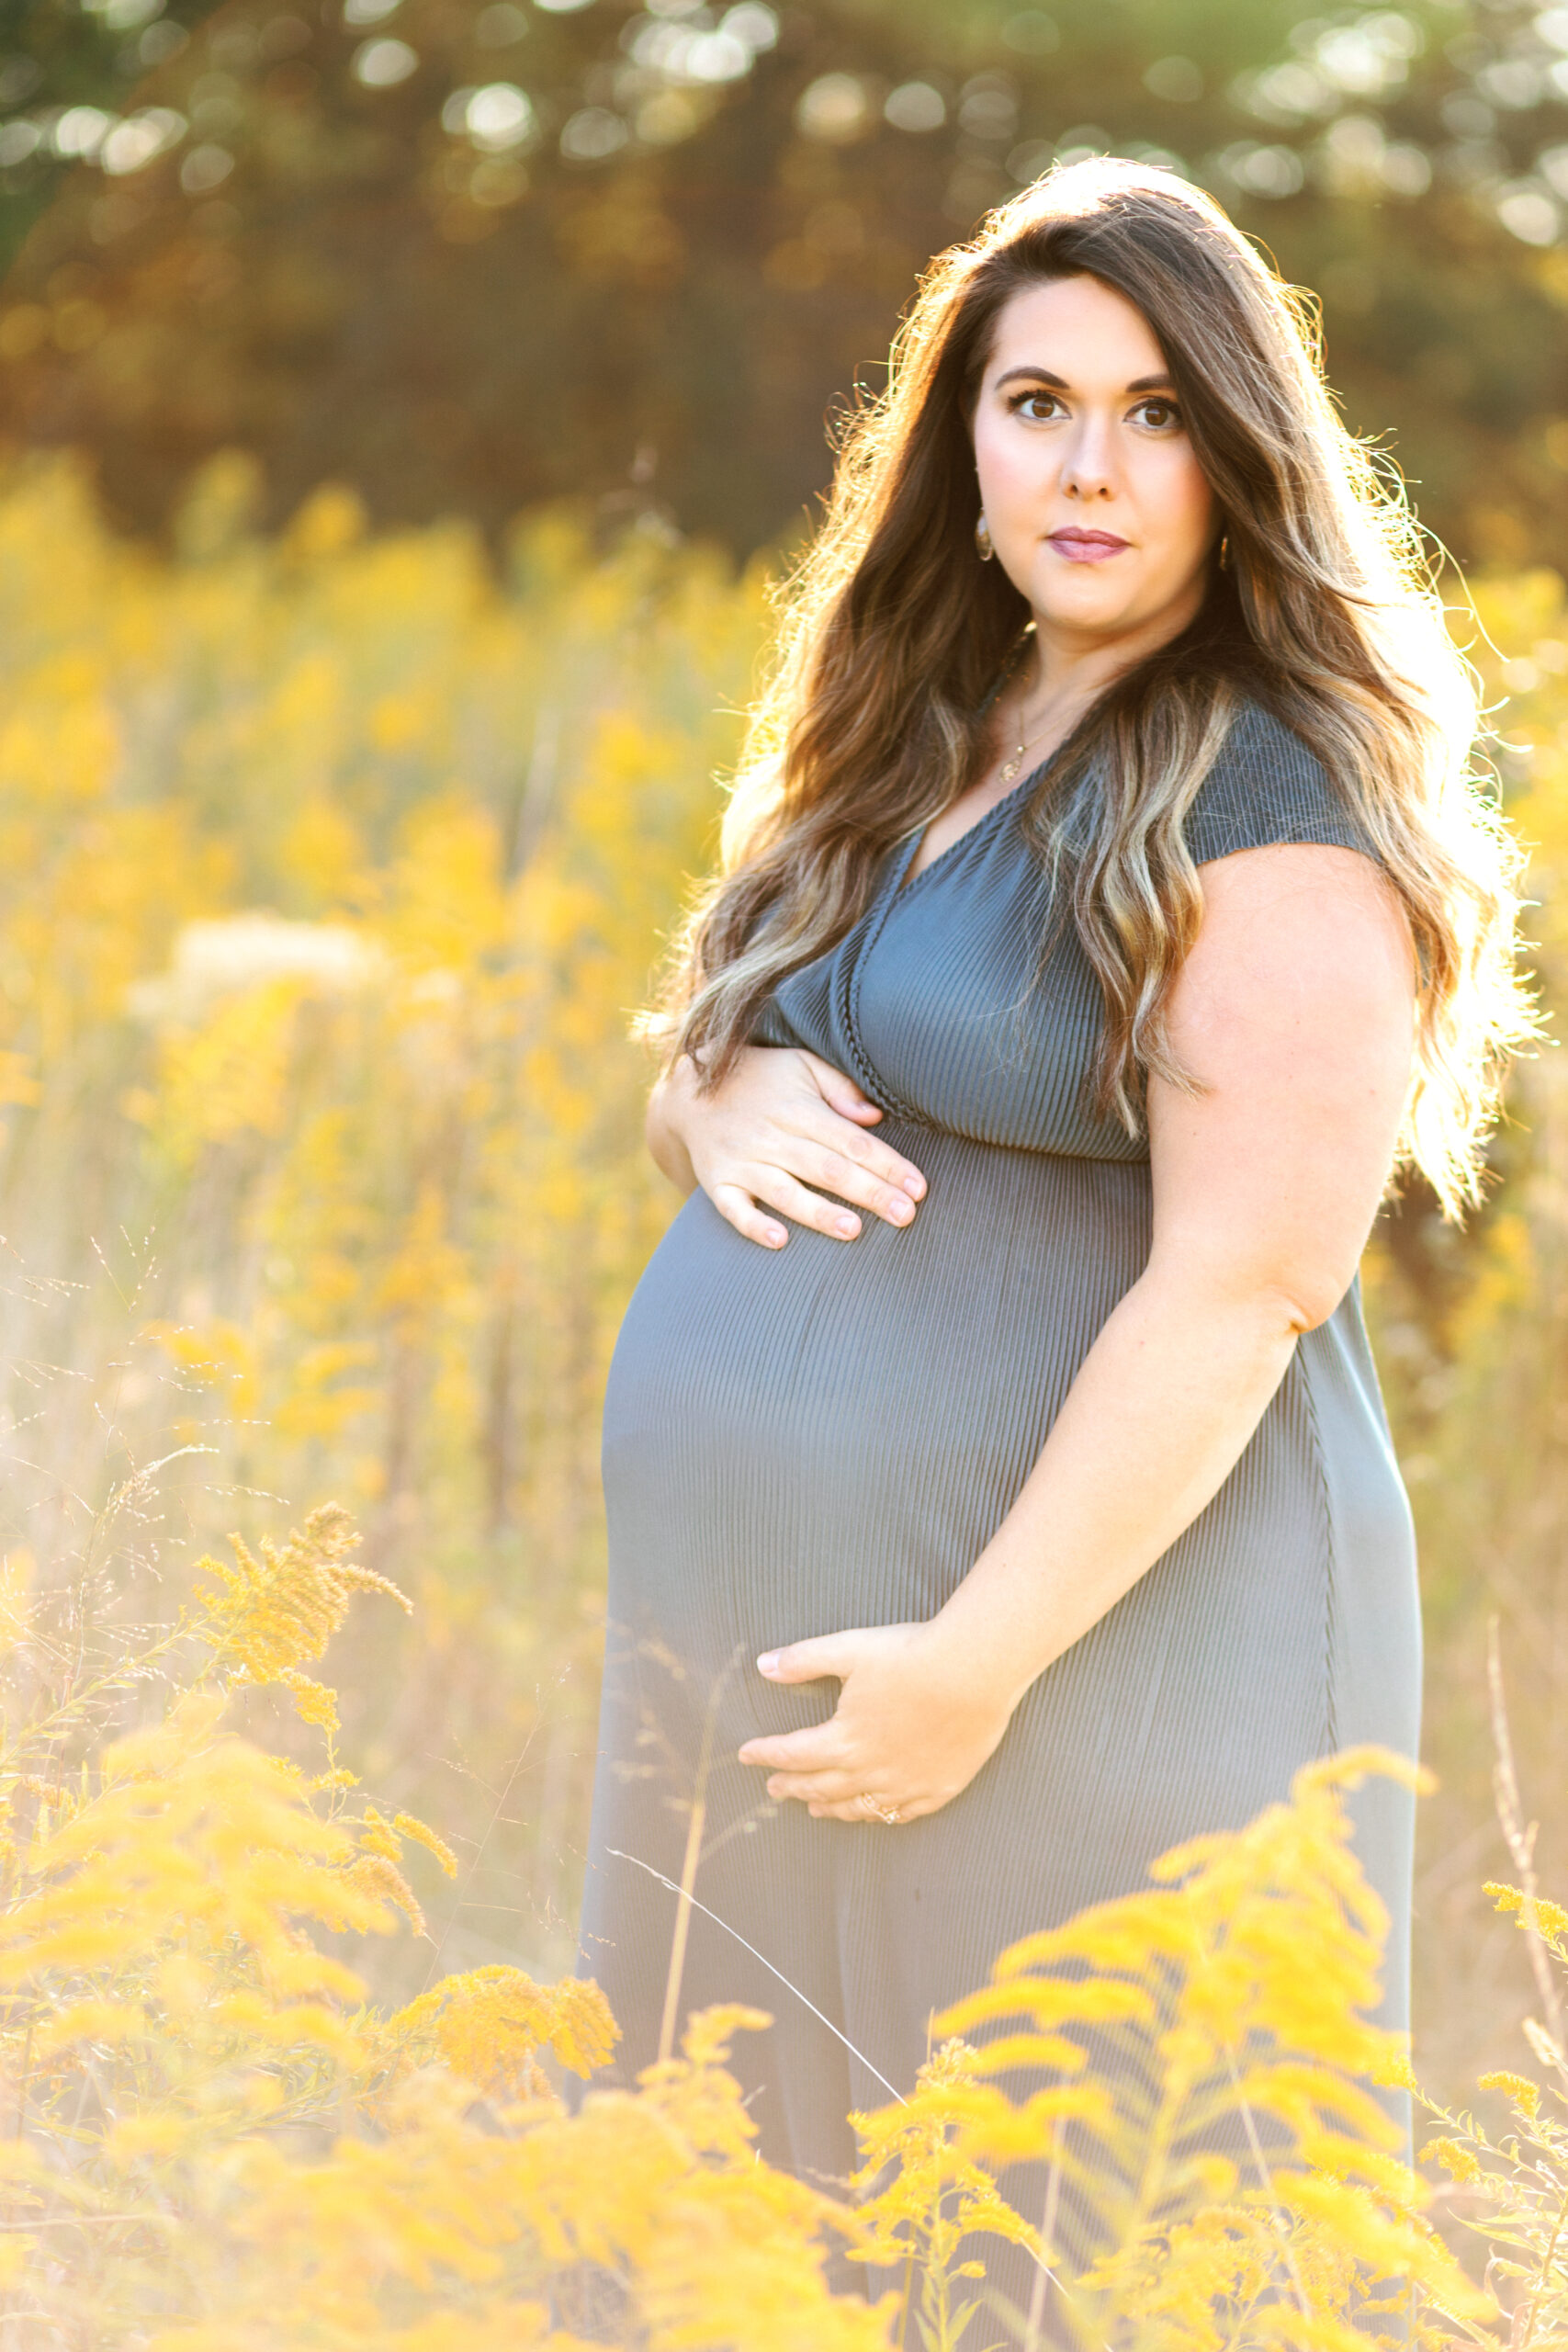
[(1528, 213), (204, 168), (1027, 162), (500, 25), (1406, 169), (1084, 140), (1270, 171), (834, 108), (1512, 82), (592, 134), (753, 23), (128, 16), (80, 132), (915, 107), (18, 139), (1176, 80), (987, 107), (381, 64), (159, 43), (718, 57), (499, 117)]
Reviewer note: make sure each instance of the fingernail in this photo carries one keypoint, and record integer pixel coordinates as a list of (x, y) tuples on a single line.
[(901, 1210), (915, 1184), (775, 1237), (768, 1663), (847, 1226)]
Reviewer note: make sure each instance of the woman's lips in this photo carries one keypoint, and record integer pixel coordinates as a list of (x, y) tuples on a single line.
[(1087, 546)]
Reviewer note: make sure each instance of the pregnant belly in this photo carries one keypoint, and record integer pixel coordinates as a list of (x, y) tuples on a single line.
[(845, 1424)]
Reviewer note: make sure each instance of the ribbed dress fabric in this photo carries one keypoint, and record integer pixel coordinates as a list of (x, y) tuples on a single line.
[(827, 1435)]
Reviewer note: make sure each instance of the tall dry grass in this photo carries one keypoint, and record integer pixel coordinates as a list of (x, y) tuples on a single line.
[(215, 2141), (333, 869), (335, 866)]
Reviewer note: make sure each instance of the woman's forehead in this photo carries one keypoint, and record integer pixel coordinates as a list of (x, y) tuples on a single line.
[(1070, 327)]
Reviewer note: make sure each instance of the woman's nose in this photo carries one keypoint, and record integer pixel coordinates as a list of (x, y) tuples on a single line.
[(1087, 471)]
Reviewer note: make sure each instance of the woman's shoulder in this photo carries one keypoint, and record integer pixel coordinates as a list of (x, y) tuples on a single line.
[(1268, 786)]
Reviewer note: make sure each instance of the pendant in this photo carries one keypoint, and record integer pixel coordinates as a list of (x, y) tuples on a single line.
[(1010, 768)]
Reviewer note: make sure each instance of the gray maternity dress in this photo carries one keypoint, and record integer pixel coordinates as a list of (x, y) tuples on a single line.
[(827, 1435)]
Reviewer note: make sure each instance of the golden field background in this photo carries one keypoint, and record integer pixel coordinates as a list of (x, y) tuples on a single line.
[(343, 821), (333, 870), (334, 864)]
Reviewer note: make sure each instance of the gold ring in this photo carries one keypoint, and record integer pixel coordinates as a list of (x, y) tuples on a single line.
[(883, 1812)]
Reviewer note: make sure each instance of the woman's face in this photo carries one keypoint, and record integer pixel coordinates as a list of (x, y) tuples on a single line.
[(1099, 511)]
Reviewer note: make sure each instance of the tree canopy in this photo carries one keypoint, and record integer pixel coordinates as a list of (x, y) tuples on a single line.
[(467, 254)]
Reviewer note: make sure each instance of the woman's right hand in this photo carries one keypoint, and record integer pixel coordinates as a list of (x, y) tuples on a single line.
[(781, 1130)]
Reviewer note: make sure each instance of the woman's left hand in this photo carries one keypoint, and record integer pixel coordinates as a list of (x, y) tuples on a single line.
[(909, 1732)]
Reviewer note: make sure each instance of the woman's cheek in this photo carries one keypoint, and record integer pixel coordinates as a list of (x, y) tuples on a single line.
[(1190, 498)]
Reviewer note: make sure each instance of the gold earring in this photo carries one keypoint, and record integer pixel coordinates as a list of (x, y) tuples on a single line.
[(983, 540), (1226, 551)]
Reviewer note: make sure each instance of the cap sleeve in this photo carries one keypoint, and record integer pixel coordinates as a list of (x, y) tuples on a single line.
[(1266, 787)]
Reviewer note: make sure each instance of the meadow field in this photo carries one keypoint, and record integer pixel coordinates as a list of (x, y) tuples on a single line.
[(335, 865)]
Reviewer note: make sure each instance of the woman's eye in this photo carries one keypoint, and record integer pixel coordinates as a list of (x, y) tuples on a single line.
[(1159, 415), (1037, 407)]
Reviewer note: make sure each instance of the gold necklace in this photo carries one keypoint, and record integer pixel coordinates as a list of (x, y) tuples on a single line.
[(1010, 768)]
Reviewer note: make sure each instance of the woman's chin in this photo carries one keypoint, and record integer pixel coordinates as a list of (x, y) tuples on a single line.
[(1084, 598), (1103, 600)]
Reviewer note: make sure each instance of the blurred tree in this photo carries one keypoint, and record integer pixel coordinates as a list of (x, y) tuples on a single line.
[(64, 70), (468, 253)]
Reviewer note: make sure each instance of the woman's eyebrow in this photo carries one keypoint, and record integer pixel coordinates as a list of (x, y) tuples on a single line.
[(1059, 383)]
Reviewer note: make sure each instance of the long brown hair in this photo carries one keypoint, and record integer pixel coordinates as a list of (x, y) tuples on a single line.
[(893, 635)]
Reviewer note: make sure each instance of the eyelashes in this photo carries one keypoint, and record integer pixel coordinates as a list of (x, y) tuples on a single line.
[(1019, 401), (1168, 419)]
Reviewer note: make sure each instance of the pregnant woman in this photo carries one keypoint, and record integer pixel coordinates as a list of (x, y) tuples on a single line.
[(999, 1486)]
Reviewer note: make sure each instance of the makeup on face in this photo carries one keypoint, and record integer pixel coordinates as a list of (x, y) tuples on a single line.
[(1091, 491), (1076, 545)]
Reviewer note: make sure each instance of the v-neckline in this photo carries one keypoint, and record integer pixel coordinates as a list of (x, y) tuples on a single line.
[(891, 894), (906, 881)]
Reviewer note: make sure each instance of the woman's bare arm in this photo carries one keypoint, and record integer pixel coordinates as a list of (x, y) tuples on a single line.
[(662, 1126), (1295, 1011)]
